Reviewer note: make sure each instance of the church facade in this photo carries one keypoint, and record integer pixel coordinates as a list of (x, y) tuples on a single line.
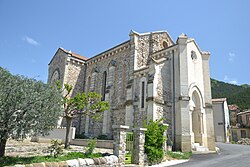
[(147, 77)]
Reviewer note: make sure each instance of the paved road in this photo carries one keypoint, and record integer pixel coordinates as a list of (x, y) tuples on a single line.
[(231, 155)]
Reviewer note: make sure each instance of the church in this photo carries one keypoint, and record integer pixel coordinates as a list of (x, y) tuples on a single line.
[(149, 76)]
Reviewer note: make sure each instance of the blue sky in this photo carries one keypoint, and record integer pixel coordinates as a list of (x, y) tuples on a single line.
[(31, 31)]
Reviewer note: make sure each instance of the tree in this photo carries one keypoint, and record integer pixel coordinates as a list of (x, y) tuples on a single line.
[(27, 107), (83, 103)]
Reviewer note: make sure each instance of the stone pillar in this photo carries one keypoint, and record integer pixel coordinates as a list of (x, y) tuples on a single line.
[(165, 148), (150, 97), (183, 135), (210, 128), (139, 140), (120, 142), (91, 88), (105, 127), (129, 117), (87, 125)]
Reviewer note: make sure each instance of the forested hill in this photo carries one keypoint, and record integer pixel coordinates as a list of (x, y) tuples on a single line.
[(239, 95)]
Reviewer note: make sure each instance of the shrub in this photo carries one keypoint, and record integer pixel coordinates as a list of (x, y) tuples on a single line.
[(55, 148), (154, 140), (91, 146), (81, 136), (179, 155), (102, 137)]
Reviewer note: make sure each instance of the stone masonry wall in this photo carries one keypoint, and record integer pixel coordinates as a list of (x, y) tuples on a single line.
[(106, 161), (74, 75), (148, 44), (163, 82), (118, 63), (120, 59), (57, 64)]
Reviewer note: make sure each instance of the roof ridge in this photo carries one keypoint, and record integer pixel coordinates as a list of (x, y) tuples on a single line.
[(73, 54)]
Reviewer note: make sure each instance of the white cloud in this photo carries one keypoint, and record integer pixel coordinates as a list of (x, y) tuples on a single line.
[(230, 80), (31, 41), (231, 57), (225, 78), (233, 82)]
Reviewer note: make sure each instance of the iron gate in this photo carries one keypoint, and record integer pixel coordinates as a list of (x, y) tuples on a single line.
[(129, 147)]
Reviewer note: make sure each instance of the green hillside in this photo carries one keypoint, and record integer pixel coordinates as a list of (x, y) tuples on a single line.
[(239, 95)]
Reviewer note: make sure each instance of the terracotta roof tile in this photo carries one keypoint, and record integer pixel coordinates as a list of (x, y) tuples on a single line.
[(233, 107), (75, 54)]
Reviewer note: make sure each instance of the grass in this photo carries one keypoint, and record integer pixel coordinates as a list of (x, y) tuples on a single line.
[(179, 155), (233, 142), (128, 158), (7, 161)]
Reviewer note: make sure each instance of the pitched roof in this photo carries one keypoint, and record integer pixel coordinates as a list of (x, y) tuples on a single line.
[(75, 55), (233, 107), (219, 100), (244, 112)]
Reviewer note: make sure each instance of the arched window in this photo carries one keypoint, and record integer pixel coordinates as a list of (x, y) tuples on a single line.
[(165, 44), (55, 76), (88, 86), (104, 83), (116, 82), (124, 79)]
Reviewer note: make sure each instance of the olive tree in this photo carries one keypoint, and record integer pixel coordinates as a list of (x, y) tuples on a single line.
[(88, 104), (27, 107)]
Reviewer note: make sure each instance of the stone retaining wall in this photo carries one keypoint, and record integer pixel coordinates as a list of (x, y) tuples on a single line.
[(99, 143), (106, 161)]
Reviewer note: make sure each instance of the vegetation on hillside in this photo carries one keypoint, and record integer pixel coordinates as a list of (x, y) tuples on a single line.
[(235, 94)]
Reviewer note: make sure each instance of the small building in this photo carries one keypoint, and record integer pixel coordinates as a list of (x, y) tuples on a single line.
[(242, 128), (221, 120), (233, 111)]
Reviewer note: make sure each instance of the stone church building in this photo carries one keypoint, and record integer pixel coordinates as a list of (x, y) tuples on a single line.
[(146, 77)]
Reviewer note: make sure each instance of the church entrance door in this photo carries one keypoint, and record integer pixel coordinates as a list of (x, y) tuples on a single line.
[(196, 120)]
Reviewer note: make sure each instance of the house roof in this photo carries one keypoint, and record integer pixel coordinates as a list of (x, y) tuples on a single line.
[(233, 107), (219, 100), (244, 112)]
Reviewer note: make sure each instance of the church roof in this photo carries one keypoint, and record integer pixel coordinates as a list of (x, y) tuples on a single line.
[(75, 55)]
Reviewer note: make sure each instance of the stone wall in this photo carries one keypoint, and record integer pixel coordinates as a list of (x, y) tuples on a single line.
[(148, 43), (99, 143), (116, 62), (57, 64), (106, 161), (74, 75)]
